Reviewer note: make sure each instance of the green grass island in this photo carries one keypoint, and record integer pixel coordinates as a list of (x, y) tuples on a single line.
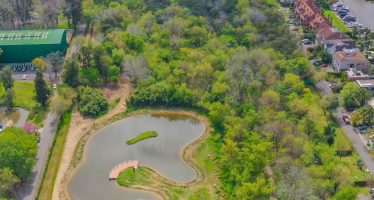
[(142, 136)]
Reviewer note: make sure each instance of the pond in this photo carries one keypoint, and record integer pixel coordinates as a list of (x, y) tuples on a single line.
[(108, 148), (17, 115)]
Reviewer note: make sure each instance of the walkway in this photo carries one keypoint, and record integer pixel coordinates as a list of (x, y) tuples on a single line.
[(30, 189), (113, 174), (355, 138)]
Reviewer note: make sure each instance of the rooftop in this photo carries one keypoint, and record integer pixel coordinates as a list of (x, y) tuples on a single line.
[(351, 56), (328, 33), (27, 37), (366, 83)]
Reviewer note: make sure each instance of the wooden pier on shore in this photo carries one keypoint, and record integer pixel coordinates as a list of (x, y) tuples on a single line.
[(113, 174)]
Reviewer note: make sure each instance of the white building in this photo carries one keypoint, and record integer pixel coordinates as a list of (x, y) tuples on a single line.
[(349, 59)]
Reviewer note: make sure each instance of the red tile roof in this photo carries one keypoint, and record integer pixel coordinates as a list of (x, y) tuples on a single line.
[(309, 13), (328, 33)]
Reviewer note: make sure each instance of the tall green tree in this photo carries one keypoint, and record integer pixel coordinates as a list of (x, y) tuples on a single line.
[(41, 89), (18, 151), (7, 182), (353, 96), (70, 73), (6, 77)]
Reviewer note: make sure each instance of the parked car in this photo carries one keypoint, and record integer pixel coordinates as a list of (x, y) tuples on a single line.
[(362, 128), (24, 77), (346, 118), (307, 42)]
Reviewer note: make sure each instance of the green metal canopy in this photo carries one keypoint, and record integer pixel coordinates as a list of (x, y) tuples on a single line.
[(25, 45)]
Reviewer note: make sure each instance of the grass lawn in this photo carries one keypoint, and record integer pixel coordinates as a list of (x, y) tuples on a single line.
[(355, 171), (142, 136), (336, 21), (24, 94), (49, 178)]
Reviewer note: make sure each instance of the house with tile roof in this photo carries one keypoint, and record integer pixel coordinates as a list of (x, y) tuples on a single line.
[(309, 14), (350, 59), (334, 40)]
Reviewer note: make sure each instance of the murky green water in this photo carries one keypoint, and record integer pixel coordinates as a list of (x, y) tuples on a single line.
[(108, 148)]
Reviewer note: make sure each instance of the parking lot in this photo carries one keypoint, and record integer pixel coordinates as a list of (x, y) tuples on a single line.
[(24, 76)]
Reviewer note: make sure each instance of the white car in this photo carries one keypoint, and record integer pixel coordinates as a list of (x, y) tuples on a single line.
[(24, 77)]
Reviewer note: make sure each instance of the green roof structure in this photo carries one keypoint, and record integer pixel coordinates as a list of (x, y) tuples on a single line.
[(24, 45)]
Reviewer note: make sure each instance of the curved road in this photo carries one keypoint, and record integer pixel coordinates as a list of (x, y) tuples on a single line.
[(31, 187)]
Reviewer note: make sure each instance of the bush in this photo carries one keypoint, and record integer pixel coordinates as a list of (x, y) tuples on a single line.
[(92, 102), (162, 94), (142, 136)]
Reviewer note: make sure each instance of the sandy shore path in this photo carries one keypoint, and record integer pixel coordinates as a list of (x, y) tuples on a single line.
[(78, 128)]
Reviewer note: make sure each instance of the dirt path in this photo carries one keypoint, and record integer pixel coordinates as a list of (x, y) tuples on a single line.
[(80, 125)]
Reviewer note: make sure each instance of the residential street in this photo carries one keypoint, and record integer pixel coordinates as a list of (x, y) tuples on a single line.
[(30, 189), (355, 138)]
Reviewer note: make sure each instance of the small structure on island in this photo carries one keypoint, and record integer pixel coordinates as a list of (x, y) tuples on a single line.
[(113, 174)]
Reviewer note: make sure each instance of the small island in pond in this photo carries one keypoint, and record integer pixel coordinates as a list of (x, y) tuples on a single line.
[(142, 136)]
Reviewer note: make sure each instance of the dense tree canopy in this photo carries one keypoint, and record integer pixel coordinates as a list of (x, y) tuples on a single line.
[(237, 62), (17, 152)]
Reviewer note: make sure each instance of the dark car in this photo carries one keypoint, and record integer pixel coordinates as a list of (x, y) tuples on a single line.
[(362, 128)]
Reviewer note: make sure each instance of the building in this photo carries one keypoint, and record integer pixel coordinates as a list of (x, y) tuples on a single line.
[(309, 14), (22, 46), (354, 75), (334, 40), (369, 84), (350, 59)]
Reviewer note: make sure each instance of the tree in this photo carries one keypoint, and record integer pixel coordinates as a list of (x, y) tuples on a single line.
[(113, 74), (7, 182), (260, 189), (270, 99), (347, 193), (9, 95), (40, 63), (55, 60), (59, 104), (18, 151), (41, 89), (70, 73), (92, 102), (72, 9), (137, 67), (363, 116), (353, 96), (6, 77)]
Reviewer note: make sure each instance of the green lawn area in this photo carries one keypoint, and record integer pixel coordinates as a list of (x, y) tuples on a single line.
[(24, 94), (336, 21), (49, 178), (355, 171), (142, 136)]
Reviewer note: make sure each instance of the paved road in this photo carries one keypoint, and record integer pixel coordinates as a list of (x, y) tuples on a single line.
[(355, 138), (29, 189)]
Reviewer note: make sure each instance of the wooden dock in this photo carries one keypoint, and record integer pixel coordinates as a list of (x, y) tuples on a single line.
[(113, 174)]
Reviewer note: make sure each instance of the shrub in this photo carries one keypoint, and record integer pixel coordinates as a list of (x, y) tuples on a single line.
[(92, 102), (162, 94)]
